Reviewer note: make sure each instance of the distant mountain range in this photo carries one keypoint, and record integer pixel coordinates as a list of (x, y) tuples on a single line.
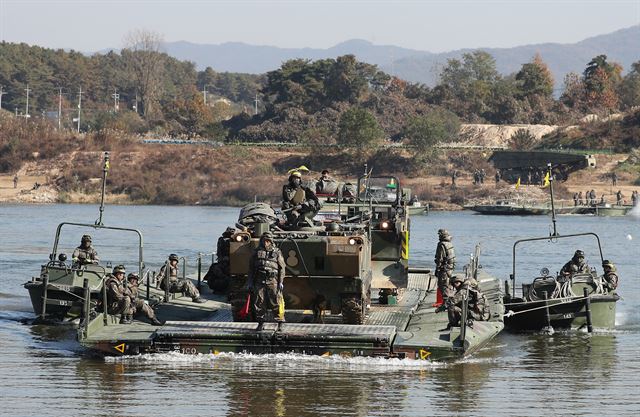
[(622, 46)]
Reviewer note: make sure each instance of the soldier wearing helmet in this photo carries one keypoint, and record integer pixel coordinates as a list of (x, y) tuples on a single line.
[(85, 253), (445, 261), (576, 265), (266, 279), (299, 202), (476, 302), (610, 276), (218, 275), (118, 297), (138, 306), (169, 277)]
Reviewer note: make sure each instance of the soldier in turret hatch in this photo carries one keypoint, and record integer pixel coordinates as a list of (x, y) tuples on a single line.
[(576, 265), (85, 253), (266, 279), (299, 202), (445, 261)]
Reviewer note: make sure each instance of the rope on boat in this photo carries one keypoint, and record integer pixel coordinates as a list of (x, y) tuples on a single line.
[(512, 313)]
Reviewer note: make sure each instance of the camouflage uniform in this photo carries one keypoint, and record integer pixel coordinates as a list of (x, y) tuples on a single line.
[(445, 261), (476, 307), (576, 265), (176, 285), (85, 254), (218, 275), (138, 305), (266, 278), (118, 299), (298, 201), (610, 276)]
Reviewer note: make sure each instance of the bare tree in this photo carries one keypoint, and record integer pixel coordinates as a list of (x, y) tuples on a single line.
[(143, 54)]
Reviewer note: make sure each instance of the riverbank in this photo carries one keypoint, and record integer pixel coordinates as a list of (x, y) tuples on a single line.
[(236, 175)]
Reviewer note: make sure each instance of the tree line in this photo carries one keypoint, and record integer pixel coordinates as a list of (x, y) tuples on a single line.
[(330, 101)]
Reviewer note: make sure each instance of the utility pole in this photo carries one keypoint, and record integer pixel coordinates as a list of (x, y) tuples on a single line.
[(204, 94), (116, 100), (79, 106), (59, 107), (255, 108), (1, 94), (26, 115)]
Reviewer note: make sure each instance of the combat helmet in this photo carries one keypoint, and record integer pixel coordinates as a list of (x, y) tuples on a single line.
[(118, 269), (444, 234), (267, 236), (132, 276), (607, 264), (86, 238), (578, 254), (173, 257), (457, 278)]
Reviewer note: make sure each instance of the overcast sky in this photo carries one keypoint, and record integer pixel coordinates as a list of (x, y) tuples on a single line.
[(436, 26)]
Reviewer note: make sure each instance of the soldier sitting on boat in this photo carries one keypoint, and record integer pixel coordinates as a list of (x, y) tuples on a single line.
[(576, 265), (177, 285), (118, 299), (476, 307), (85, 253), (610, 277), (299, 203), (138, 306)]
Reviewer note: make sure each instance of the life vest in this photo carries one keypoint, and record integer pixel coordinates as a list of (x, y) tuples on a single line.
[(267, 262)]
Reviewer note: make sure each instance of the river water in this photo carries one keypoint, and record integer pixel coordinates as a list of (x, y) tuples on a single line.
[(43, 371)]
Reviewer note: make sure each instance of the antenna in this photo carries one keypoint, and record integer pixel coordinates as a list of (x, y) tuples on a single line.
[(553, 208), (105, 169)]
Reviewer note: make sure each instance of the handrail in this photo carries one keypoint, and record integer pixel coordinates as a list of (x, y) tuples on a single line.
[(551, 239)]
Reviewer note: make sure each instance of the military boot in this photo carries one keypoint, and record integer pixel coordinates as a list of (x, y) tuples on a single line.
[(125, 319)]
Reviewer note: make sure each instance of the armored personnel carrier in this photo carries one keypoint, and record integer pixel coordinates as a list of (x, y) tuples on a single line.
[(530, 166)]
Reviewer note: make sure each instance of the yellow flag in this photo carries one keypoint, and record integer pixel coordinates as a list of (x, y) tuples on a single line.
[(546, 180), (518, 183)]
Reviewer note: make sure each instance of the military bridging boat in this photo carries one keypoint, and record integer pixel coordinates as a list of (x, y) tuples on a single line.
[(576, 297), (332, 270)]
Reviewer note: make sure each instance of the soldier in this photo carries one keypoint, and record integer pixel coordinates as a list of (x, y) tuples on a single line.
[(85, 253), (497, 177), (118, 299), (483, 175), (299, 202), (445, 261), (15, 181), (576, 265), (603, 200), (614, 179), (634, 198), (454, 175), (575, 199), (178, 285), (266, 279), (580, 198), (476, 306), (610, 276), (137, 305), (593, 196), (218, 274), (619, 197)]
